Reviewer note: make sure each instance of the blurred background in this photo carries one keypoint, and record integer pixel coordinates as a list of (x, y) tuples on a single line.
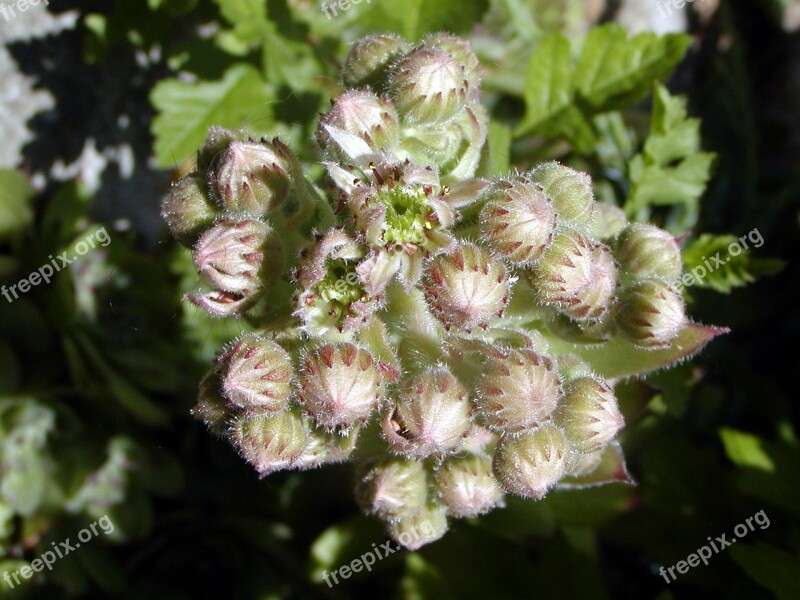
[(103, 104)]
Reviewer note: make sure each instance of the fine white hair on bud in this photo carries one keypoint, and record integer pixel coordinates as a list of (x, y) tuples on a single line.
[(431, 415), (270, 442), (238, 256), (187, 210), (428, 86), (529, 464), (364, 114), (461, 51), (251, 177), (393, 487), (608, 221), (325, 448), (339, 385), (212, 407), (467, 486), (588, 414), (652, 315), (518, 221), (648, 251), (569, 190), (467, 288), (415, 530), (369, 60), (593, 301), (257, 375), (517, 391), (565, 268)]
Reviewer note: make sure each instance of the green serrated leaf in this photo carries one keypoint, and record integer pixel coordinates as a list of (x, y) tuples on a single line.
[(548, 90), (248, 17), (242, 98)]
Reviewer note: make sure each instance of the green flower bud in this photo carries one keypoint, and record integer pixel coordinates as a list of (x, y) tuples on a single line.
[(572, 366), (586, 464), (370, 58), (565, 268), (467, 288), (212, 407), (270, 442), (187, 211), (431, 416), (326, 449), (608, 221), (461, 51), (420, 528), (392, 488), (518, 391), (428, 86), (570, 192), (466, 485), (530, 463), (593, 301), (251, 178), (362, 113), (589, 414), (216, 142), (257, 375), (518, 221), (647, 251), (652, 315), (340, 385), (238, 256)]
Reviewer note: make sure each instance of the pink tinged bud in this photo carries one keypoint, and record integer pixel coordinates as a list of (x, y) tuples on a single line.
[(257, 375), (589, 414), (518, 391), (461, 51), (572, 366), (212, 407), (392, 488), (647, 251), (565, 268), (570, 192), (518, 221), (238, 256), (326, 449), (362, 113), (531, 463), (187, 211), (215, 144), (369, 60), (652, 315), (594, 300), (431, 416), (223, 304), (608, 221), (467, 288), (251, 178), (340, 385), (270, 442), (428, 86), (467, 487), (420, 528)]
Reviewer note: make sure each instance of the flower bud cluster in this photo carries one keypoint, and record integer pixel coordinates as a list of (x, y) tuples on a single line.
[(404, 320)]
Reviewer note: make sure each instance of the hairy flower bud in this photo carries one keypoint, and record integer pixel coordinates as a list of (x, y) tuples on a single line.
[(362, 113), (647, 251), (565, 268), (589, 414), (270, 442), (419, 528), (369, 58), (187, 211), (428, 86), (393, 487), (518, 391), (593, 301), (431, 416), (570, 192), (238, 256), (608, 221), (586, 464), (326, 449), (212, 407), (340, 385), (461, 51), (530, 463), (652, 315), (466, 288), (257, 375), (518, 221), (466, 485), (251, 177)]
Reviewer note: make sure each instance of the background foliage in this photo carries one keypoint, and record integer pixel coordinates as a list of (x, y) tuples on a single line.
[(98, 370)]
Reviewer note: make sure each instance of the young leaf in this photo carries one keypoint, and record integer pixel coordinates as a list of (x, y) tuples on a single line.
[(776, 570)]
